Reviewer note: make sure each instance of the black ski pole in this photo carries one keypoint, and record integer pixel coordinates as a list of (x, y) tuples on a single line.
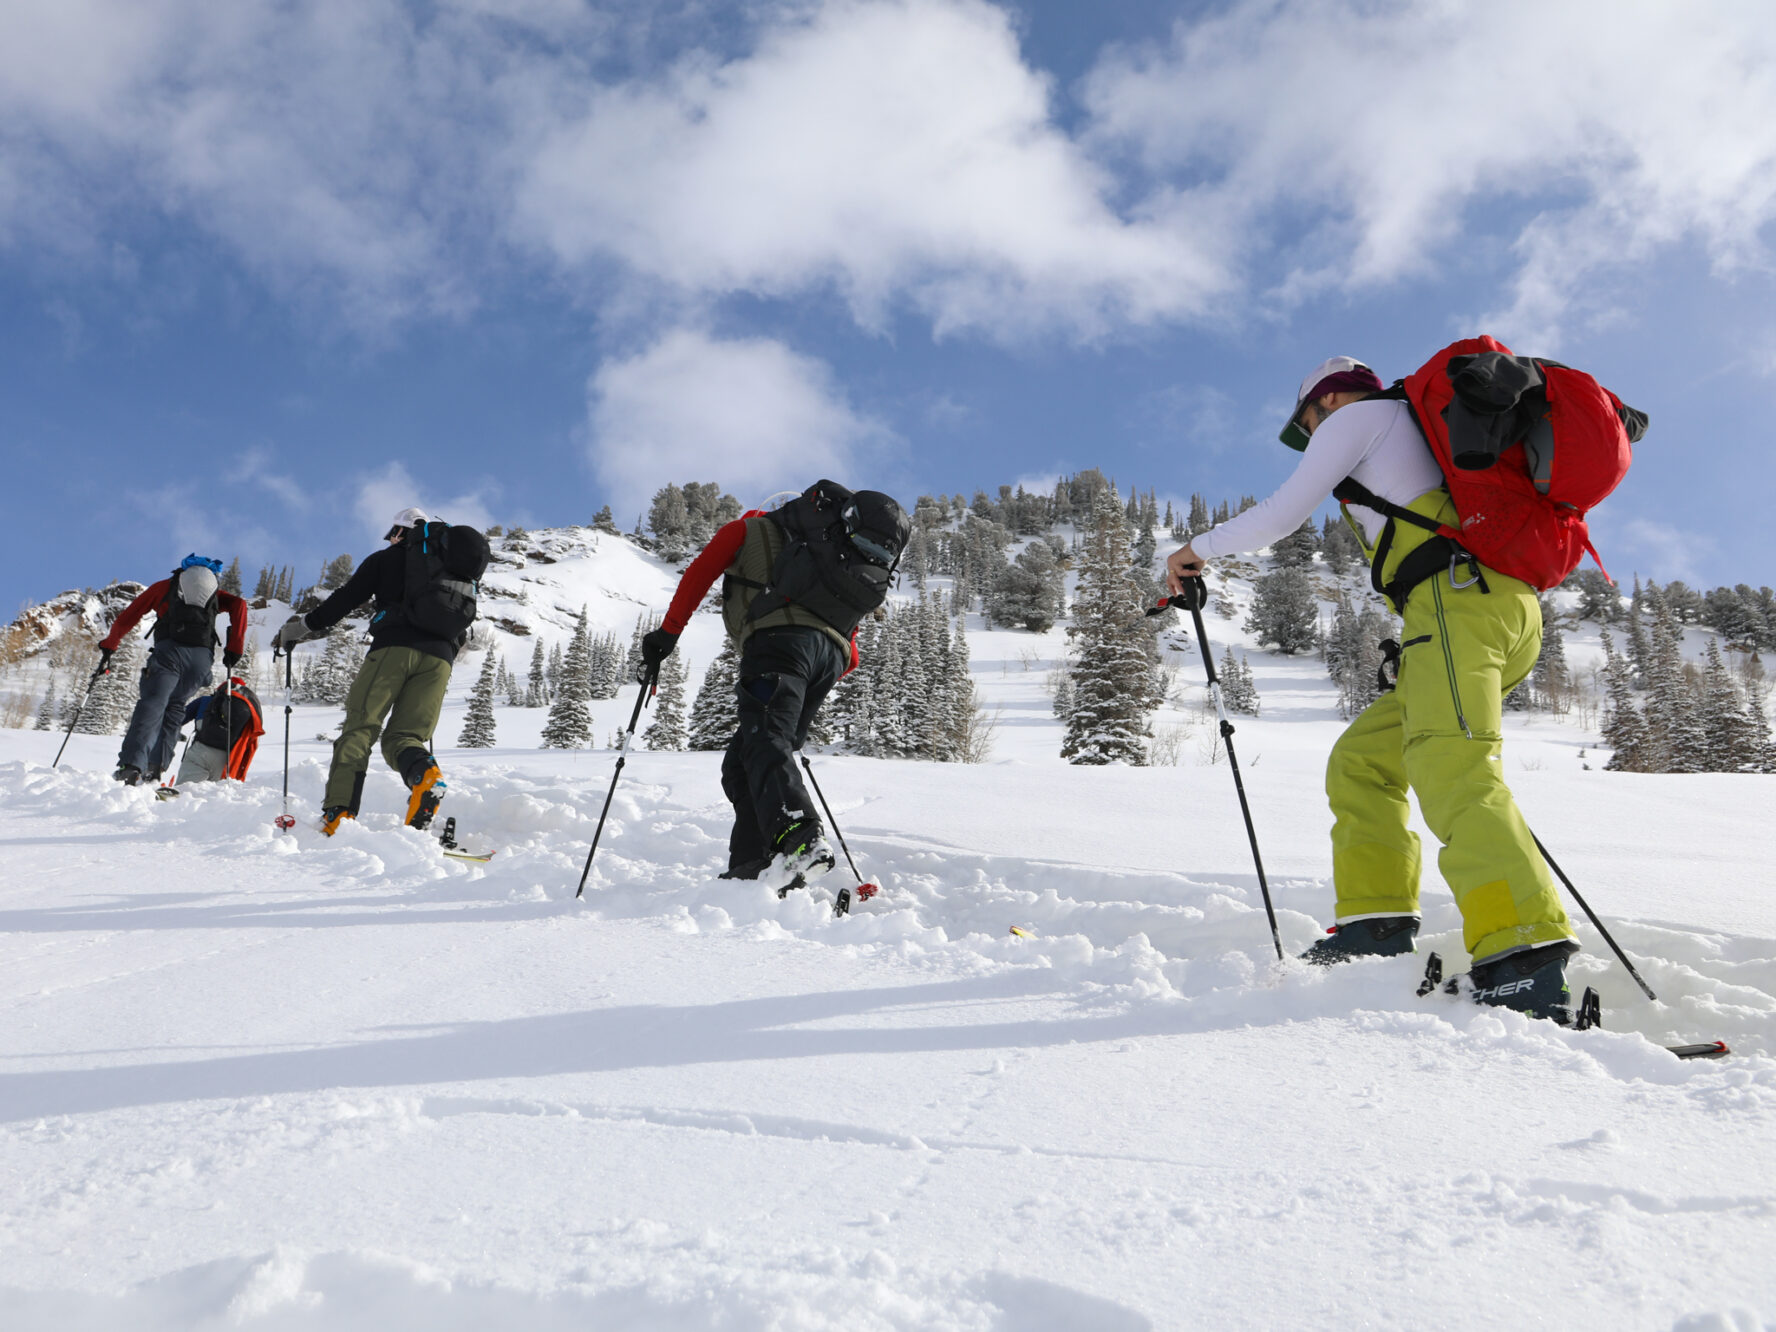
[(284, 822), (74, 721), (1617, 948), (647, 691), (832, 823), (1194, 597)]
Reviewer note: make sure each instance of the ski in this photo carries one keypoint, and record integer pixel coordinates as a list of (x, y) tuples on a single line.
[(447, 841), (165, 792), (1590, 1012)]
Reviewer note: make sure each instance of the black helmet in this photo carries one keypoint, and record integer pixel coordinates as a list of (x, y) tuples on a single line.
[(877, 527)]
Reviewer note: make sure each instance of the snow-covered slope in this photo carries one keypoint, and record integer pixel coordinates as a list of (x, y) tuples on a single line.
[(268, 1081)]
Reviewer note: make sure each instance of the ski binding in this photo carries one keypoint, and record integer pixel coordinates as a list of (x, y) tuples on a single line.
[(447, 840), (1590, 1012)]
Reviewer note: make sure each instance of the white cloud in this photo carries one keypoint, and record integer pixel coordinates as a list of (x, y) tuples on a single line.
[(1652, 549), (897, 151), (379, 162), (1396, 132), (385, 492), (748, 413)]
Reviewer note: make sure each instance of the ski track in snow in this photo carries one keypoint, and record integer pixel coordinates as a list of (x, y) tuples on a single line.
[(1042, 1196)]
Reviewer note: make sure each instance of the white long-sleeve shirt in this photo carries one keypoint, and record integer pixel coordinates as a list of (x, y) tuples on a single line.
[(1374, 441)]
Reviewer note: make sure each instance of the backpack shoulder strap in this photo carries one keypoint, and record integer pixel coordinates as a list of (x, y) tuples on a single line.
[(1352, 491)]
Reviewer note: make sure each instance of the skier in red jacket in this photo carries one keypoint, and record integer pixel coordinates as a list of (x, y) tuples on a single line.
[(185, 605)]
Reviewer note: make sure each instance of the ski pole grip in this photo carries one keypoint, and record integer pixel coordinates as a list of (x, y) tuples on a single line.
[(1194, 596)]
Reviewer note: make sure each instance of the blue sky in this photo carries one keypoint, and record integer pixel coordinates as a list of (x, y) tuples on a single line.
[(269, 272)]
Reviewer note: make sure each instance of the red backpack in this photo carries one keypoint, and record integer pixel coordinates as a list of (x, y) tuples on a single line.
[(1527, 447)]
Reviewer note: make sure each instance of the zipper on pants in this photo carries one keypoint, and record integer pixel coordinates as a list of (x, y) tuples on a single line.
[(1449, 657)]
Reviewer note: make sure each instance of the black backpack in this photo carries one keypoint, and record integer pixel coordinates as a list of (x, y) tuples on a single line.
[(219, 729), (839, 554), (180, 621), (444, 568)]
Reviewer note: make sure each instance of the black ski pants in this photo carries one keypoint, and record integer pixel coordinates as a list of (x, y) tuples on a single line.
[(785, 675)]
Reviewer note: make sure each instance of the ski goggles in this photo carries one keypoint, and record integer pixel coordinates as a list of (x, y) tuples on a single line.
[(872, 550), (196, 561)]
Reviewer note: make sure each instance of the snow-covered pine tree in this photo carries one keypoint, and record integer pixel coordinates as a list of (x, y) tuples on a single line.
[(968, 738), (1283, 610), (606, 671), (852, 701), (1726, 726), (645, 623), (478, 722), (517, 693), (109, 703), (1762, 750), (1551, 680), (715, 716), (1624, 728), (1339, 547), (603, 521), (552, 671), (667, 731), (265, 584), (1114, 659), (569, 725), (1674, 725), (1296, 550), (1239, 692), (1640, 649), (893, 738), (1146, 555), (536, 693), (669, 518), (46, 710), (335, 572), (328, 678)]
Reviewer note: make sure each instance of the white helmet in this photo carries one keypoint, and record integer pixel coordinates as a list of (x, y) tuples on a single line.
[(196, 585), (404, 520)]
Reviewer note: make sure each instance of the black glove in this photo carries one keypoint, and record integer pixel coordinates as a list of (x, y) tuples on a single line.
[(656, 646), (105, 655), (230, 660)]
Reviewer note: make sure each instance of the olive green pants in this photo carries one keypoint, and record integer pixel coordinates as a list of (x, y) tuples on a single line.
[(1438, 733), (401, 685)]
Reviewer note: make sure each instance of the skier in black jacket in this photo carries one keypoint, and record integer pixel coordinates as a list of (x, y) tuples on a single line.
[(401, 682)]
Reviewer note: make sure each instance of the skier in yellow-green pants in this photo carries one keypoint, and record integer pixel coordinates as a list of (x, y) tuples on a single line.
[(1462, 650), (1470, 636)]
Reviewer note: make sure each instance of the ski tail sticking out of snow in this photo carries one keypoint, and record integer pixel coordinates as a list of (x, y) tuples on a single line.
[(841, 900), (447, 840), (1590, 1012)]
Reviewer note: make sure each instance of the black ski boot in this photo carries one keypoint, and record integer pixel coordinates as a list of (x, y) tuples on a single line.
[(127, 773), (1532, 981), (750, 870), (1377, 936)]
